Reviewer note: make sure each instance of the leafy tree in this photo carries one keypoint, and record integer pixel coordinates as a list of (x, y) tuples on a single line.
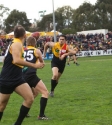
[(104, 1), (64, 17), (3, 10), (86, 17), (68, 31), (90, 17), (44, 24), (83, 17), (104, 13), (16, 18)]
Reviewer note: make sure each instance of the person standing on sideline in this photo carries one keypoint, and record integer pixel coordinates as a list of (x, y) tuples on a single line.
[(11, 77), (34, 55), (60, 52)]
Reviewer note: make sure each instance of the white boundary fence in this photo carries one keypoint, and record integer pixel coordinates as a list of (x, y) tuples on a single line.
[(82, 54), (95, 53), (90, 53)]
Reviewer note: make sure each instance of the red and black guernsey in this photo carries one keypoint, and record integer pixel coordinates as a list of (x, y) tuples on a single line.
[(58, 51)]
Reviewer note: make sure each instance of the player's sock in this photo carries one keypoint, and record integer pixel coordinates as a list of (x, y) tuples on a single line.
[(68, 63), (23, 112), (53, 84), (1, 114), (43, 103), (77, 64)]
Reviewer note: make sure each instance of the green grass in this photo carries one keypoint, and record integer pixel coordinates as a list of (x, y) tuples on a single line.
[(82, 97)]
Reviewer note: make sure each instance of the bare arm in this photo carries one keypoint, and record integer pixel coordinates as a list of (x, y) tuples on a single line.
[(48, 44), (39, 54), (16, 54), (63, 56)]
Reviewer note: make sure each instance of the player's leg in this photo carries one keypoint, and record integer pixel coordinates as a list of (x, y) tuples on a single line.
[(75, 60), (25, 91), (68, 60), (41, 88), (3, 102), (54, 80), (71, 58), (60, 71)]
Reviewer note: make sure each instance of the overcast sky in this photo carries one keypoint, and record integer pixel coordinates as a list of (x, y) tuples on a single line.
[(32, 7)]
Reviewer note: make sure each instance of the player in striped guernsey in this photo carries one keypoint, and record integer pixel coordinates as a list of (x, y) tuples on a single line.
[(11, 78), (60, 52), (34, 55)]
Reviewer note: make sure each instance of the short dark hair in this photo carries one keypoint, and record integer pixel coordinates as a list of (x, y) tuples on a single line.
[(19, 31), (62, 36), (31, 41)]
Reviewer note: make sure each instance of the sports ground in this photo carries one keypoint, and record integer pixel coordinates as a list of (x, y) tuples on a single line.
[(82, 97)]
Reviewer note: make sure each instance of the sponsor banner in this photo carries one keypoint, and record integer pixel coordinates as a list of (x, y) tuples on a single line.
[(95, 53), (90, 53), (81, 54)]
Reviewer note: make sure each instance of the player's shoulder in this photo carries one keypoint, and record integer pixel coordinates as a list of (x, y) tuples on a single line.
[(56, 43)]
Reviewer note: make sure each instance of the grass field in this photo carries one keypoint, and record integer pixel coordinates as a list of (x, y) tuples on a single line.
[(82, 97)]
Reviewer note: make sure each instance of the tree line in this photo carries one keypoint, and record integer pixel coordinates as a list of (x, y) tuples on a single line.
[(68, 20)]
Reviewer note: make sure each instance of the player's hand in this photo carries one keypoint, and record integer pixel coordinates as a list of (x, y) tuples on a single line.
[(62, 57), (39, 65)]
